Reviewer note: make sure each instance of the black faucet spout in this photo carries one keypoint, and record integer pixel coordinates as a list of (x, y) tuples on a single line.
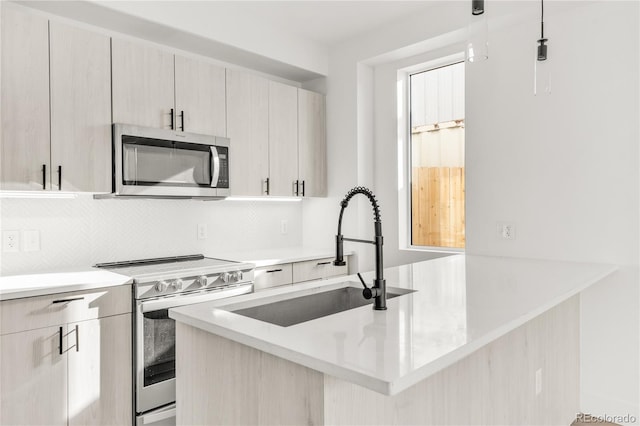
[(379, 290)]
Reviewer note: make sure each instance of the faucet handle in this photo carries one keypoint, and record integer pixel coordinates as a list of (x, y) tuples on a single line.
[(366, 293)]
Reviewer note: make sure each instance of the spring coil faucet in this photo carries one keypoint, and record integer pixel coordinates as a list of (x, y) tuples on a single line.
[(379, 289)]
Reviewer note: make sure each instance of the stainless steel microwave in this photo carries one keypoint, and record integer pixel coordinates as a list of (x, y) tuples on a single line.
[(170, 164)]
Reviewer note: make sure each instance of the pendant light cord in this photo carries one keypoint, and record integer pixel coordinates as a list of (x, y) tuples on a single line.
[(542, 20)]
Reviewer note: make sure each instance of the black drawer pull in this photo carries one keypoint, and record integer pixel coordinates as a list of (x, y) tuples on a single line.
[(60, 340), (68, 300), (77, 338), (44, 176), (59, 178), (171, 125), (323, 263), (274, 270)]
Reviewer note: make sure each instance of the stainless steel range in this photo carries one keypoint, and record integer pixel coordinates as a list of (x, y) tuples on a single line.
[(159, 285)]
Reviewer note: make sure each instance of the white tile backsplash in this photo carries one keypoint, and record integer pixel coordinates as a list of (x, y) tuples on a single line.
[(84, 231)]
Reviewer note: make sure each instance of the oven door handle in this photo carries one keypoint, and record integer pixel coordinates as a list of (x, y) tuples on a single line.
[(206, 296), (215, 166), (152, 418)]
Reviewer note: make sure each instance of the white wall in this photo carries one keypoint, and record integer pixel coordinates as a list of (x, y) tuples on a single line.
[(563, 168), (81, 232)]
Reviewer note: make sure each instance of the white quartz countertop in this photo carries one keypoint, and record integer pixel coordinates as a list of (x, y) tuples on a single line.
[(18, 286), (276, 256), (461, 304)]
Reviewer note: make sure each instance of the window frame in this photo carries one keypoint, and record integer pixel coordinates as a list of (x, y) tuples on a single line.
[(404, 152)]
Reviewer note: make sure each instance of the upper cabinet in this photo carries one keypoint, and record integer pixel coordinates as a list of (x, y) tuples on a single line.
[(24, 83), (63, 87), (248, 130), (200, 97), (154, 88), (56, 106), (277, 137), (143, 85), (312, 145), (283, 139), (80, 70)]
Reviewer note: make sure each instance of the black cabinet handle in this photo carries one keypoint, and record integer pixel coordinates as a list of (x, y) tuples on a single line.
[(266, 181), (59, 178), (303, 188), (77, 338), (68, 300), (44, 176), (274, 270), (182, 120), (323, 263), (296, 185), (171, 126), (60, 341)]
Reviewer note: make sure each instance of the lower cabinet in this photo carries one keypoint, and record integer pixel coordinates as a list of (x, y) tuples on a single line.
[(290, 273), (99, 372), (33, 378), (72, 373)]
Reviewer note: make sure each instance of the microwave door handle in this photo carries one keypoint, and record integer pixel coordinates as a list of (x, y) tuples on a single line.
[(215, 167)]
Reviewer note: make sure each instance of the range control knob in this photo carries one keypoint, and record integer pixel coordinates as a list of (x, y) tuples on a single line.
[(201, 281), (176, 285), (161, 286), (226, 277), (237, 275)]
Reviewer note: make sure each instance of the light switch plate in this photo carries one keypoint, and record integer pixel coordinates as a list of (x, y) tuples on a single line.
[(202, 231), (31, 240)]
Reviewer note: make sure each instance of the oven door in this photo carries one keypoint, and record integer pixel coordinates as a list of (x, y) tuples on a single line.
[(155, 344)]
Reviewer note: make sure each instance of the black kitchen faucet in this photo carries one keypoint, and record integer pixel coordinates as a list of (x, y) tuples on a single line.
[(379, 289)]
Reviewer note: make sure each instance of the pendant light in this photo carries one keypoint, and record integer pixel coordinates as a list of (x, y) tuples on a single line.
[(477, 33), (541, 71)]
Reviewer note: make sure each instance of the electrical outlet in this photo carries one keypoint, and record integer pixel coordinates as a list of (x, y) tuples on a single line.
[(284, 227), (10, 241), (203, 233), (31, 240), (538, 381), (506, 230)]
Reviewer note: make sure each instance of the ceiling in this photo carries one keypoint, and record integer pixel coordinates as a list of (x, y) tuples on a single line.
[(326, 22), (290, 39)]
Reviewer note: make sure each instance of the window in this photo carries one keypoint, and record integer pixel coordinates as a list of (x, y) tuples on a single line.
[(437, 157)]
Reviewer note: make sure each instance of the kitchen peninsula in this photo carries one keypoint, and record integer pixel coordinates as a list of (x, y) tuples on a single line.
[(482, 340)]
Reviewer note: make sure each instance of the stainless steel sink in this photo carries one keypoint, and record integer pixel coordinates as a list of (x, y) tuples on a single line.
[(312, 306)]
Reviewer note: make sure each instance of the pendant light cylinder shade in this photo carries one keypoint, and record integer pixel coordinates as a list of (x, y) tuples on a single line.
[(477, 38), (542, 73)]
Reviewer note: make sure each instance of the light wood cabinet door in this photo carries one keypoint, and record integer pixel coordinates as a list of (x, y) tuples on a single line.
[(24, 105), (248, 130), (80, 109), (200, 97), (142, 84), (33, 378), (283, 139), (312, 145), (100, 371), (272, 276), (318, 269)]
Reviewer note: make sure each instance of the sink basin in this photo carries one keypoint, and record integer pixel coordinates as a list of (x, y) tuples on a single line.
[(312, 306)]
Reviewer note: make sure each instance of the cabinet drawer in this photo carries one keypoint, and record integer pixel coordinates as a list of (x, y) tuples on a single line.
[(272, 276), (43, 311), (318, 269)]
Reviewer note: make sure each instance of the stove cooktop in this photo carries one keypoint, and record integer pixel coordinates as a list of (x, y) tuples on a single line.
[(171, 265), (170, 275)]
